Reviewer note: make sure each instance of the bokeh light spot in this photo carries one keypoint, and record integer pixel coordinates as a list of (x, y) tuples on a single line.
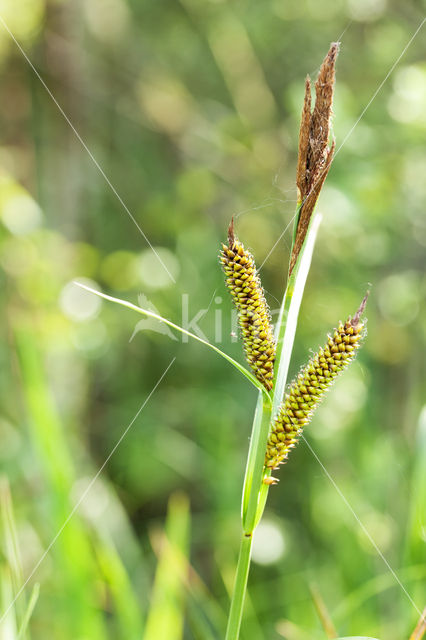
[(91, 338), (366, 10), (106, 19), (18, 256), (119, 270), (77, 304), (152, 273), (399, 297), (21, 214), (408, 100), (380, 527), (23, 17), (268, 543)]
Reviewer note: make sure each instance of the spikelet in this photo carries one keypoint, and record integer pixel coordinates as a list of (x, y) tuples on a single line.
[(307, 390), (315, 155), (253, 313)]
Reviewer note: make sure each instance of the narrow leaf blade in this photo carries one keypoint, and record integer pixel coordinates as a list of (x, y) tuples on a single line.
[(176, 327), (166, 614), (289, 313)]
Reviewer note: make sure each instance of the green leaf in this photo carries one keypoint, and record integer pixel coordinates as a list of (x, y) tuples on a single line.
[(415, 526), (155, 316), (289, 312), (71, 542), (12, 578), (29, 611), (166, 614), (127, 608), (8, 619), (10, 542)]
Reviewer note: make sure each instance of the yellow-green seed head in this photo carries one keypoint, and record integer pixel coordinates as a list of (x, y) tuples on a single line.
[(307, 390), (253, 313)]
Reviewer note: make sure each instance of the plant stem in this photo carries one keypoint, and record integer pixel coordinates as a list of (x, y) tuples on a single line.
[(251, 494), (289, 312), (255, 492), (282, 369), (255, 462), (238, 596)]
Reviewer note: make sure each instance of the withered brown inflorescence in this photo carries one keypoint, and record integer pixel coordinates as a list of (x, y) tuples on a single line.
[(253, 312), (315, 156), (307, 390)]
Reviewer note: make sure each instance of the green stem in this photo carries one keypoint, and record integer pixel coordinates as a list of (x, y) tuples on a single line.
[(251, 494), (255, 491), (281, 371), (289, 312), (254, 472), (239, 593)]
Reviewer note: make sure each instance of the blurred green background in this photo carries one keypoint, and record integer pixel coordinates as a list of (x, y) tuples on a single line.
[(191, 108)]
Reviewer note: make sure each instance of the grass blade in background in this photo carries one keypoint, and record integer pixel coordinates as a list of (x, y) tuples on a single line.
[(9, 623), (32, 601), (16, 619), (291, 631), (206, 617), (166, 612), (74, 567), (126, 608), (10, 546), (420, 629), (323, 612), (118, 556), (372, 588), (200, 627), (415, 543), (80, 569)]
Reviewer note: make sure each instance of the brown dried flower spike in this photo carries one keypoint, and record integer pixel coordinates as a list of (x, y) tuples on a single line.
[(253, 312), (314, 154)]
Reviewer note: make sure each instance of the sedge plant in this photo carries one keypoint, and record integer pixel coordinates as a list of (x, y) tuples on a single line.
[(280, 415)]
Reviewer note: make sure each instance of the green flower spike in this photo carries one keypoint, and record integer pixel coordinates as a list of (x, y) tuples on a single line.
[(253, 313), (307, 390)]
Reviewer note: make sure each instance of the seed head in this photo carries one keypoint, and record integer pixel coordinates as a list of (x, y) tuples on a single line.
[(315, 156), (253, 313), (307, 390)]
